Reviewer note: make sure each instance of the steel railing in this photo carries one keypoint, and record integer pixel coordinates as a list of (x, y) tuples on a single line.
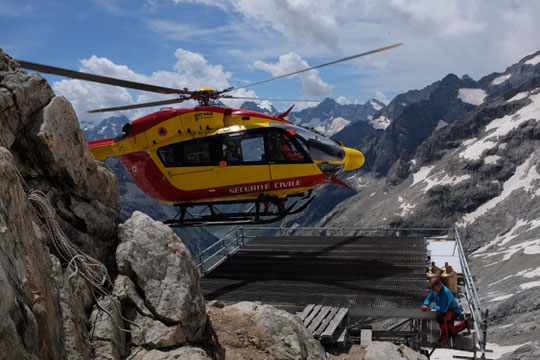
[(479, 315), (211, 257)]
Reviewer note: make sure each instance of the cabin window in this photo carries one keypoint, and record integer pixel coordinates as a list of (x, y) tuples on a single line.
[(283, 148), (186, 153), (243, 148)]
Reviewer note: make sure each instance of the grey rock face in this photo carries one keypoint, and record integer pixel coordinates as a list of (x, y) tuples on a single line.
[(399, 171), (43, 307), (161, 267), (247, 329), (29, 305)]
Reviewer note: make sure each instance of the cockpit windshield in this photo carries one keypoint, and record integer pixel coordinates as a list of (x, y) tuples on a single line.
[(319, 146)]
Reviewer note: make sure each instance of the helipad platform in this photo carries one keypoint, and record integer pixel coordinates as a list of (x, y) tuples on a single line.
[(358, 272)]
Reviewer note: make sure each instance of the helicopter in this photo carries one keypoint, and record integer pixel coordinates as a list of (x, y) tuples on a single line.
[(210, 157)]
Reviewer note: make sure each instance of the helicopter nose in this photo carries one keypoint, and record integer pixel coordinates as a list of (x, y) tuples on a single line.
[(353, 159)]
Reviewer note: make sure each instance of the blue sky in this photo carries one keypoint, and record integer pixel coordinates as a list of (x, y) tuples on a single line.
[(182, 43)]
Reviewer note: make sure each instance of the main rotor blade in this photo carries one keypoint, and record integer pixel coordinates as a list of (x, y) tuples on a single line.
[(142, 105), (255, 98), (315, 67), (99, 79)]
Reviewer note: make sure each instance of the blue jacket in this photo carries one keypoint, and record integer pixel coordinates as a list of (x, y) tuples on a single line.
[(444, 301)]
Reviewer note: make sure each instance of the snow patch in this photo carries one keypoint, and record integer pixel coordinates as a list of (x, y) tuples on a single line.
[(501, 298), (381, 122), (535, 60), (421, 174), (472, 96), (530, 285), (528, 247), (441, 124), (501, 127), (266, 105), (468, 142), (335, 126), (520, 227), (523, 178), (405, 207), (375, 105), (446, 180), (501, 79), (492, 159), (519, 96)]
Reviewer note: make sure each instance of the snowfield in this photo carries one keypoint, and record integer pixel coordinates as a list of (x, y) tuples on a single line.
[(472, 96), (500, 127), (524, 178), (501, 79), (381, 122), (535, 60)]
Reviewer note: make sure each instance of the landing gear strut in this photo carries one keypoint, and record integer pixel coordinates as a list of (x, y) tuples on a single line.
[(263, 210)]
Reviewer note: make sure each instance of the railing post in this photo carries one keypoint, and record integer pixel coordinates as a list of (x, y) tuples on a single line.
[(224, 247), (243, 236), (484, 337)]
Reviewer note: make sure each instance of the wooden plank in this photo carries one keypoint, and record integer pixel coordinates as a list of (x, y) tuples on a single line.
[(386, 334), (342, 339), (306, 311), (330, 333), (312, 315), (319, 318), (365, 337), (324, 324)]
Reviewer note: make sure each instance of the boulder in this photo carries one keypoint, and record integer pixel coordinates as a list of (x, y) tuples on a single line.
[(250, 330), (108, 336), (183, 353), (388, 351), (161, 268)]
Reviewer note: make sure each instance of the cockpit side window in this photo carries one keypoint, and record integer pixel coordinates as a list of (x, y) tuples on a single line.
[(283, 148), (186, 153), (320, 147), (245, 148)]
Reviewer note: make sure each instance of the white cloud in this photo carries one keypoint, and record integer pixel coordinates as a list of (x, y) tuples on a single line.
[(439, 17), (342, 100), (382, 98), (314, 19), (312, 84), (191, 71)]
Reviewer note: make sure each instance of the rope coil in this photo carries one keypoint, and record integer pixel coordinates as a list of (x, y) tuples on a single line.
[(90, 269)]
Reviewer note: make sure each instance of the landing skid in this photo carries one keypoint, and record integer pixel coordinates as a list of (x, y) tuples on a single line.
[(263, 210)]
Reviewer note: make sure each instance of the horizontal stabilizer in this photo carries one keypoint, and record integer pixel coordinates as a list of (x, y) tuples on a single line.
[(101, 149)]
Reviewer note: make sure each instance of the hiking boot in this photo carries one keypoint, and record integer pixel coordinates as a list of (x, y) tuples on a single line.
[(468, 323), (442, 342)]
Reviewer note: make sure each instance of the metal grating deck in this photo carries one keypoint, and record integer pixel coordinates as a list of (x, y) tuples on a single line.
[(353, 272)]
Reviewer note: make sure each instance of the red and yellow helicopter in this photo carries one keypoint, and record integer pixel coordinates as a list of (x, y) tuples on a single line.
[(213, 155)]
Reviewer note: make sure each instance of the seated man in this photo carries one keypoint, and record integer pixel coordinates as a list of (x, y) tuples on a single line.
[(230, 154), (447, 309)]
